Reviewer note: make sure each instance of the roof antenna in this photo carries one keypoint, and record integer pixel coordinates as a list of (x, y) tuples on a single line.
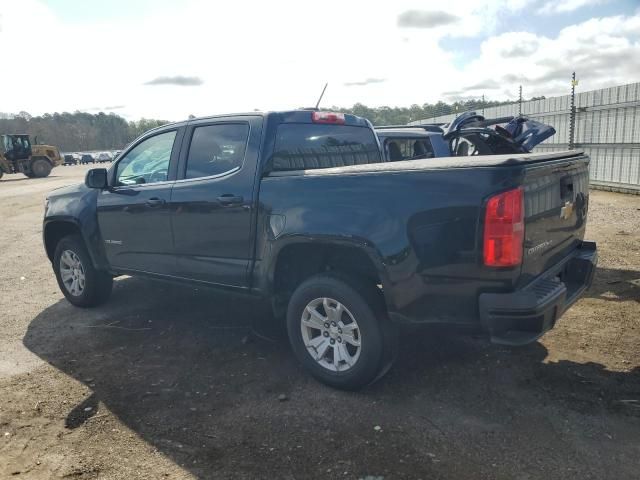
[(321, 95)]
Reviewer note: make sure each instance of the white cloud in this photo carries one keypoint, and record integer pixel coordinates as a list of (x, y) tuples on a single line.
[(425, 18), (242, 55), (601, 51)]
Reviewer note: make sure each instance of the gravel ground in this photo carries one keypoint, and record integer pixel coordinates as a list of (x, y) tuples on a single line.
[(165, 382)]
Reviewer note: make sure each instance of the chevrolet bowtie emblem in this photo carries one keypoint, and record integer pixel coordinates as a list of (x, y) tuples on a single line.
[(567, 210)]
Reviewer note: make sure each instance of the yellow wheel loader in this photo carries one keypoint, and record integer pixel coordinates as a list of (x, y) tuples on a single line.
[(18, 155)]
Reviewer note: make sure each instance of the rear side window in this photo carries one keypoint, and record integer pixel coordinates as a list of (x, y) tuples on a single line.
[(301, 146), (217, 149), (409, 149)]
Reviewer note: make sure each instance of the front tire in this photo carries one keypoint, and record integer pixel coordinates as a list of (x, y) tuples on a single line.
[(338, 331), (81, 283), (40, 168)]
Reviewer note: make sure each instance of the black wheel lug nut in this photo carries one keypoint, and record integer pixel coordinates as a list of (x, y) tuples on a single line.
[(333, 324), (332, 341), (326, 325), (326, 334)]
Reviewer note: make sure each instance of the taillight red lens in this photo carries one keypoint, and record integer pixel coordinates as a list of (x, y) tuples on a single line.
[(327, 117), (504, 229)]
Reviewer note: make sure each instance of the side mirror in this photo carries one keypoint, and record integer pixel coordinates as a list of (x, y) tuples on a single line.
[(96, 178)]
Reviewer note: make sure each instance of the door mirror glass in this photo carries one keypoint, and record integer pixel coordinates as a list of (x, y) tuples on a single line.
[(96, 178)]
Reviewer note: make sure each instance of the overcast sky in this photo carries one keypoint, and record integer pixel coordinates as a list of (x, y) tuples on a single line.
[(168, 59)]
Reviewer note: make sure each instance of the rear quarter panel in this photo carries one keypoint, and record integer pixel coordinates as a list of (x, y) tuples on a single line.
[(421, 228)]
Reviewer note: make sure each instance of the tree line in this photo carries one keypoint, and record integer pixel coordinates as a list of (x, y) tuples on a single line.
[(404, 115), (80, 131)]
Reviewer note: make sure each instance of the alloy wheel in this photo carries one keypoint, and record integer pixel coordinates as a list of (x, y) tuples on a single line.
[(331, 334), (72, 273)]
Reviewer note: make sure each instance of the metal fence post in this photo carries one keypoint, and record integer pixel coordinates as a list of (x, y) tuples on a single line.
[(572, 113), (520, 102)]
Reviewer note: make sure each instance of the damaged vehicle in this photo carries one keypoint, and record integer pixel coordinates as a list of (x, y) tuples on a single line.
[(469, 134), (298, 209)]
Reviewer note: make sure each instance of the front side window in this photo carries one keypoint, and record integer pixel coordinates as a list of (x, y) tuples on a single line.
[(148, 162), (216, 149)]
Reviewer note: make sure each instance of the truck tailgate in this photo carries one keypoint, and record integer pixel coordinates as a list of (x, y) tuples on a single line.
[(556, 195)]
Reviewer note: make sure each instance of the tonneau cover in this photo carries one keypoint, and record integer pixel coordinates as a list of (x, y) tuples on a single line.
[(481, 161)]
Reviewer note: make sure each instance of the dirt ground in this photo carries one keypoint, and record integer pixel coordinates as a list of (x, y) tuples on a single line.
[(164, 382)]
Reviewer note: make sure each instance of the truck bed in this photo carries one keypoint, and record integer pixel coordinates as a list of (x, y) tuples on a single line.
[(483, 161), (423, 220)]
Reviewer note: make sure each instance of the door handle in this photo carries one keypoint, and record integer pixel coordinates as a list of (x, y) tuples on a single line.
[(229, 199), (155, 202)]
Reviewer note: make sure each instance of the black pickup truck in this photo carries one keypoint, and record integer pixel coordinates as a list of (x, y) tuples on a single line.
[(300, 208)]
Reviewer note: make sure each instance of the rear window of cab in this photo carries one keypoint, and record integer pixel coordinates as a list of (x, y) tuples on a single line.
[(304, 146)]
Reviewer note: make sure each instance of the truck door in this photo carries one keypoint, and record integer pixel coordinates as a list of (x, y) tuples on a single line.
[(212, 201), (133, 215)]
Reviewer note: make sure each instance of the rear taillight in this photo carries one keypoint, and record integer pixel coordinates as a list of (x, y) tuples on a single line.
[(504, 229), (328, 117)]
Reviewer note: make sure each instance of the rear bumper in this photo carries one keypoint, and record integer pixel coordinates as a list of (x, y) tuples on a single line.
[(524, 316)]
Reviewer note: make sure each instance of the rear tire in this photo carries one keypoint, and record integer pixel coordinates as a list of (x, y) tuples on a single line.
[(40, 168), (78, 279), (357, 328)]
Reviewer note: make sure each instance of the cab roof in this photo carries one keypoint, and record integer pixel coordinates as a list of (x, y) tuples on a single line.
[(303, 115)]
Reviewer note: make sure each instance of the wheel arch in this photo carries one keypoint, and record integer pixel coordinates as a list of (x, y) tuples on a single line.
[(296, 258), (55, 229)]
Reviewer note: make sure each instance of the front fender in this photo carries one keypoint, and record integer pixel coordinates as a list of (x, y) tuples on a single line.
[(75, 206)]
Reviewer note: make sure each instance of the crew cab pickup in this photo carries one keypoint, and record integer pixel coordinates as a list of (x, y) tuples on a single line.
[(299, 208)]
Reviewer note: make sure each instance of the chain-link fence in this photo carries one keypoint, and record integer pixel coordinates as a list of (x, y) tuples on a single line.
[(607, 128)]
